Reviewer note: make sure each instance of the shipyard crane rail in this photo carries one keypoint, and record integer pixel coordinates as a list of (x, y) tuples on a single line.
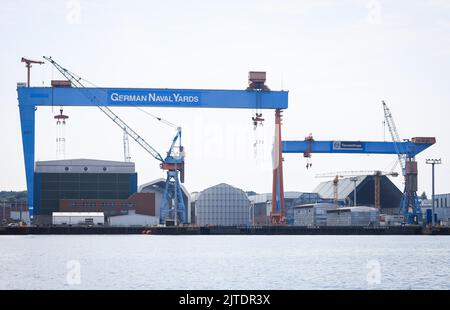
[(173, 163)]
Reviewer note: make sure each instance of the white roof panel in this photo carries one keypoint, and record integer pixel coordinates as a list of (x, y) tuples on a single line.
[(55, 214)]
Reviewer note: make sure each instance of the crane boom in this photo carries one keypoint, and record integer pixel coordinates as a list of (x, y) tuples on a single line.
[(76, 80), (394, 135), (126, 147), (136, 137)]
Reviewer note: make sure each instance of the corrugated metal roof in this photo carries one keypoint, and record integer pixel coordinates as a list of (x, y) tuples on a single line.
[(315, 205), (260, 198), (267, 197), (345, 188), (354, 209), (292, 195), (84, 166)]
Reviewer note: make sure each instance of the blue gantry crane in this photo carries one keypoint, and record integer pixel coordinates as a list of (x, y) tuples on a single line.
[(256, 96), (409, 149)]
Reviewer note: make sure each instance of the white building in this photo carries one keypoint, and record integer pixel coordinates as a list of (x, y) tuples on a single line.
[(133, 219), (442, 207), (353, 216), (312, 214), (78, 218), (157, 186)]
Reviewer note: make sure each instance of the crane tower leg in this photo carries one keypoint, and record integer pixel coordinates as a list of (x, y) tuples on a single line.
[(277, 214), (172, 192)]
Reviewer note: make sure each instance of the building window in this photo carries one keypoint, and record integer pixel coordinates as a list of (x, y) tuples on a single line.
[(85, 168), (104, 168), (66, 168)]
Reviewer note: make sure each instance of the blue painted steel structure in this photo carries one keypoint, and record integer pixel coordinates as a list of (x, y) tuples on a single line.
[(32, 97), (174, 164), (409, 148), (153, 97)]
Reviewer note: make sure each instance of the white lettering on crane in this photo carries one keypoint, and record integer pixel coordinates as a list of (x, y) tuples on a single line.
[(154, 97)]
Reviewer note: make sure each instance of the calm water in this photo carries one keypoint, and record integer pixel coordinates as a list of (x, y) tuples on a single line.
[(224, 262)]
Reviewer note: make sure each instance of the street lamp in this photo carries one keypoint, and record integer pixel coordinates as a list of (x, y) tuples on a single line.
[(433, 162)]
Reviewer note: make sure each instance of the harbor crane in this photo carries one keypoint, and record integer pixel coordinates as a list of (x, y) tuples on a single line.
[(409, 148), (410, 205), (257, 96), (172, 163), (377, 174)]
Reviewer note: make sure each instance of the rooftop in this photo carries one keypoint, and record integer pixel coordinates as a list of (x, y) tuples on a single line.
[(354, 209), (83, 165), (77, 214)]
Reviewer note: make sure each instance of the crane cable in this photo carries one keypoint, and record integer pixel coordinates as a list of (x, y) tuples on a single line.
[(160, 119)]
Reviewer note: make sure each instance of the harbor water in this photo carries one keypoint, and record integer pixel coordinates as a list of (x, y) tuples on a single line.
[(224, 262)]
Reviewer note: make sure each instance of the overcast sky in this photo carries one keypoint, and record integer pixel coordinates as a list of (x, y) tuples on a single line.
[(338, 59)]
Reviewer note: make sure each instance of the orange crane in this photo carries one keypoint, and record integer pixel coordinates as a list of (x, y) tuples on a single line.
[(377, 174)]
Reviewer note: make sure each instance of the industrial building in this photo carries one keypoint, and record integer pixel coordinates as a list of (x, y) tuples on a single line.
[(133, 219), (353, 216), (300, 199), (312, 214), (79, 179), (194, 196), (78, 218), (137, 210), (222, 205), (14, 212), (141, 203), (53, 181), (392, 220), (442, 208), (364, 186), (261, 205), (157, 187)]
